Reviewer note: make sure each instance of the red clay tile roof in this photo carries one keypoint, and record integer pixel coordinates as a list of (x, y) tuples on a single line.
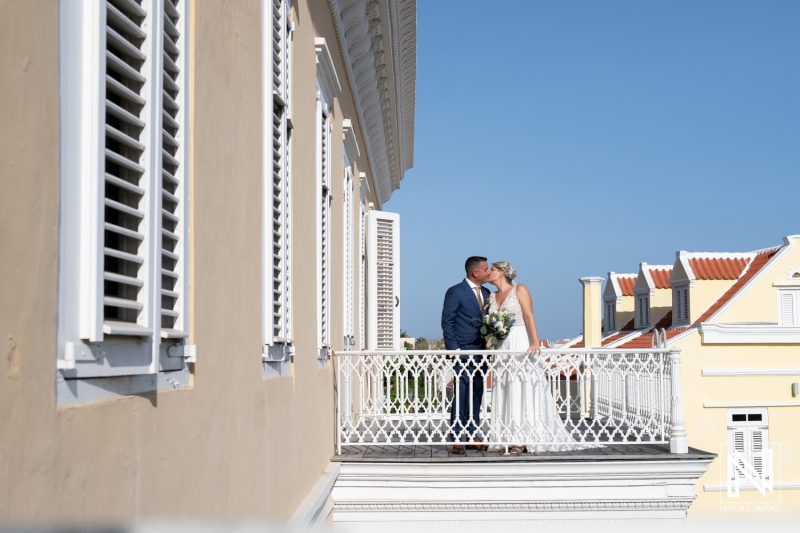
[(758, 263), (718, 267), (626, 285), (614, 337), (628, 326), (646, 339), (661, 277)]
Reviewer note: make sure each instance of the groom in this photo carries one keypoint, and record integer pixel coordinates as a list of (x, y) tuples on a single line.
[(462, 313)]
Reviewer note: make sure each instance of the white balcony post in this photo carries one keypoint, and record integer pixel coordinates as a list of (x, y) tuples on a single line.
[(677, 431), (337, 366)]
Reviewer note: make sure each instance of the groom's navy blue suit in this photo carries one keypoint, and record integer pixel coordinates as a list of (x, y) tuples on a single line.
[(461, 323)]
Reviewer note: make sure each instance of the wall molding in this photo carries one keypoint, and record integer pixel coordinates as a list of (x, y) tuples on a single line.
[(733, 372), (742, 486), (317, 505), (505, 507), (748, 333), (326, 72), (750, 404)]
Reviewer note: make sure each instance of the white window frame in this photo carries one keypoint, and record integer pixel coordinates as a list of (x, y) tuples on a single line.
[(350, 154), (90, 345), (277, 337), (328, 87), (790, 298), (749, 437), (681, 304)]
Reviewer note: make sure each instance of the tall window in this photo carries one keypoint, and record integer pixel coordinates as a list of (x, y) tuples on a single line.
[(351, 153), (276, 76), (123, 273), (327, 88)]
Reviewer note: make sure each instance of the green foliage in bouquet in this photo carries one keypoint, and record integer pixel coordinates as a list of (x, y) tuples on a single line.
[(496, 327)]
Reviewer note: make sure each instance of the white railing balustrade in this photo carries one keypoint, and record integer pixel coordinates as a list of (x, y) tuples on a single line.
[(567, 399)]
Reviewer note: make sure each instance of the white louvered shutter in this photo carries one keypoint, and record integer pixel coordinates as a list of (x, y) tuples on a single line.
[(611, 316), (748, 434), (349, 231), (129, 155), (383, 280), (641, 311), (738, 442), (789, 307), (174, 213), (362, 281), (750, 442), (277, 188), (126, 190), (686, 316), (171, 274), (323, 137)]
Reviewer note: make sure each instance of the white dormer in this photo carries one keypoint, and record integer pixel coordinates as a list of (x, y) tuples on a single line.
[(699, 278), (618, 305), (652, 294), (681, 280)]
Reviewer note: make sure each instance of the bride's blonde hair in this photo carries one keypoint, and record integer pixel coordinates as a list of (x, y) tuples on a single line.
[(508, 270)]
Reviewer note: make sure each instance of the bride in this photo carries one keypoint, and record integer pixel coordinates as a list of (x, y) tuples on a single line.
[(523, 409)]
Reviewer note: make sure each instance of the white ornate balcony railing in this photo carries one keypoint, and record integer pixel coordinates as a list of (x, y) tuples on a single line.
[(575, 398)]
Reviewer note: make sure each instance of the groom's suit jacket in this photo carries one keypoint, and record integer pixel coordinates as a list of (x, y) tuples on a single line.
[(461, 317)]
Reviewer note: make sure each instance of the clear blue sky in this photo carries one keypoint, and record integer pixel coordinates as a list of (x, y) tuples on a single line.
[(576, 138)]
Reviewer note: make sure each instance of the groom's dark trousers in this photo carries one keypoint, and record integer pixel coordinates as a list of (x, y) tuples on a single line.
[(461, 322)]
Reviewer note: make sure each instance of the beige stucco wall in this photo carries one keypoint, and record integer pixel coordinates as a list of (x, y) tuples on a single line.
[(234, 444)]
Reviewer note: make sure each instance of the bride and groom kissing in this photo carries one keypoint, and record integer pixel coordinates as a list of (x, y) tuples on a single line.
[(522, 410)]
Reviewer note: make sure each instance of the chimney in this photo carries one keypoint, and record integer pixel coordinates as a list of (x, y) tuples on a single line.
[(592, 316)]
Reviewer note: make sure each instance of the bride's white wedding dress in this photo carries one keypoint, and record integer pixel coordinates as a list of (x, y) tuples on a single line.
[(523, 410)]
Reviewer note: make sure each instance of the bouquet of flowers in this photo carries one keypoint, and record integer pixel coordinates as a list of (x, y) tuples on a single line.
[(496, 326)]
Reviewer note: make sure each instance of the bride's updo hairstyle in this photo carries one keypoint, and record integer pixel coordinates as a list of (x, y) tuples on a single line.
[(508, 270)]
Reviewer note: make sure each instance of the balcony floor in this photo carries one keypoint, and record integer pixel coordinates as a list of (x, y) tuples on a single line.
[(439, 453)]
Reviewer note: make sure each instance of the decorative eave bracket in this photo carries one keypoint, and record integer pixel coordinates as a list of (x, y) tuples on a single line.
[(386, 131)]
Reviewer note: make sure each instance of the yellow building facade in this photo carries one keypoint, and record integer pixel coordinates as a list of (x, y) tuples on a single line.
[(736, 321)]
